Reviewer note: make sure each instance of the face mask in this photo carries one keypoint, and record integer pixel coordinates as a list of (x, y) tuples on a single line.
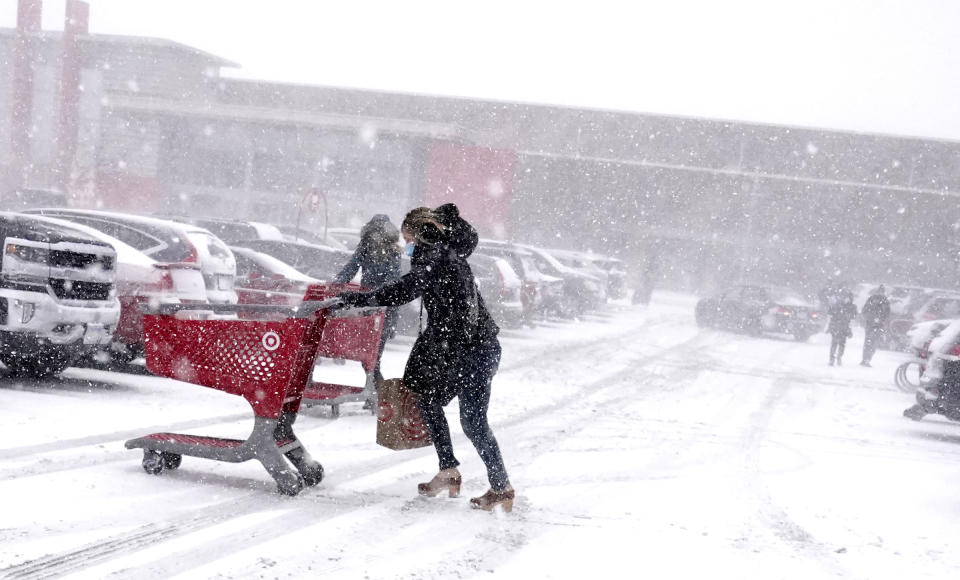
[(408, 249)]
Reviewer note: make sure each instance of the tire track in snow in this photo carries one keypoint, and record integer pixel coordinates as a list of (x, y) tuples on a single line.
[(500, 538), (288, 523), (71, 463), (99, 439), (770, 515), (151, 534)]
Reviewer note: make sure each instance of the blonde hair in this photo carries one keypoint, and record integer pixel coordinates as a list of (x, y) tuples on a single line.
[(423, 225)]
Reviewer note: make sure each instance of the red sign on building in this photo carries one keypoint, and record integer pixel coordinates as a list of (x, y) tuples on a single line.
[(478, 179)]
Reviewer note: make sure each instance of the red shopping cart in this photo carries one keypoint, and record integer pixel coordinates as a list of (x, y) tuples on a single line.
[(265, 354), (346, 338)]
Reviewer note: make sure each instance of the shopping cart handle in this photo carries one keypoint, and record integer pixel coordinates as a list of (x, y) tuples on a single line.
[(335, 307), (173, 308)]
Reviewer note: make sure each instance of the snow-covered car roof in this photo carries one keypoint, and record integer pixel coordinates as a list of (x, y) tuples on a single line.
[(126, 253), (273, 264), (29, 224), (948, 337), (921, 332)]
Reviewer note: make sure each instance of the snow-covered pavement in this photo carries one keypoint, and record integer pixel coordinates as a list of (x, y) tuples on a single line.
[(639, 445)]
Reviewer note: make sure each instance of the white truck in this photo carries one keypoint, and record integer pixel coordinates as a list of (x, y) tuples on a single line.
[(57, 295)]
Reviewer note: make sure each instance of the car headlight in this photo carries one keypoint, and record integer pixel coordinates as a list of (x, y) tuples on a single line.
[(27, 253)]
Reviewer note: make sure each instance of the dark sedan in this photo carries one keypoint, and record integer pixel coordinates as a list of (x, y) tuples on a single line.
[(760, 309)]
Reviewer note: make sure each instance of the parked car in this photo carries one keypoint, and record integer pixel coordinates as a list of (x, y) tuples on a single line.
[(759, 309), (349, 237), (140, 280), (167, 242), (616, 274), (937, 390), (541, 292), (294, 234), (590, 265), (938, 306), (230, 231), (932, 304), (582, 291), (57, 295), (500, 287), (263, 279), (320, 262)]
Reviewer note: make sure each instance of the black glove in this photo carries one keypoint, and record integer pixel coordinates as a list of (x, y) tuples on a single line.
[(353, 298)]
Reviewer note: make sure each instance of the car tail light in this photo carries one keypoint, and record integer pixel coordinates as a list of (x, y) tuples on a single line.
[(503, 283), (955, 350), (781, 311), (193, 256), (164, 282)]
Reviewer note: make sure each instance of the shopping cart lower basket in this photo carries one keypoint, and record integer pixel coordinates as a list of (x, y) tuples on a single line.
[(264, 354)]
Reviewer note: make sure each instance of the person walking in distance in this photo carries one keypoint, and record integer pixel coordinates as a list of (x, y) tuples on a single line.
[(841, 314), (876, 311), (458, 352)]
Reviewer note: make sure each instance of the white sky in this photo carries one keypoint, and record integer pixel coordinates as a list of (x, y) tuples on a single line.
[(883, 66)]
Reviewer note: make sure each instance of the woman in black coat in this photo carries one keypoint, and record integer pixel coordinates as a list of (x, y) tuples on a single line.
[(457, 354)]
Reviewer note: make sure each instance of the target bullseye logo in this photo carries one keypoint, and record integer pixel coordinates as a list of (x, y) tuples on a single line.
[(271, 340)]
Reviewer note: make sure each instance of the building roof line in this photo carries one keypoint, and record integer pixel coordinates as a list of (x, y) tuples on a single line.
[(596, 110), (289, 117), (741, 173), (129, 40)]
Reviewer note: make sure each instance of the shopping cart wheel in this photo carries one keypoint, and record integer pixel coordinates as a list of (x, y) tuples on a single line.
[(171, 460), (310, 470), (152, 462), (313, 476), (291, 485)]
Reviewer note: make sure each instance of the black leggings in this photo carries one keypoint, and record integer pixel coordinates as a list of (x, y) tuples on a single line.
[(474, 400), (837, 345)]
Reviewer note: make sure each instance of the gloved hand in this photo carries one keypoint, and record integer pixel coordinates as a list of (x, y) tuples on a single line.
[(352, 298)]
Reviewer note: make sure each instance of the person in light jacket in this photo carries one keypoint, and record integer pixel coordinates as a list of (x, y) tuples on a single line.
[(377, 257)]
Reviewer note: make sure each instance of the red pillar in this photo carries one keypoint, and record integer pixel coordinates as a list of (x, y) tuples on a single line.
[(75, 24), (29, 14)]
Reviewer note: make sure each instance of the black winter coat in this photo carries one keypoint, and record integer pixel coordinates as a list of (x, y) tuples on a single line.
[(876, 311), (841, 315), (458, 349)]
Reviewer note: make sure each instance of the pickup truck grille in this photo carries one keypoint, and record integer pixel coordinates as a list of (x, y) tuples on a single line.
[(77, 290), (67, 259)]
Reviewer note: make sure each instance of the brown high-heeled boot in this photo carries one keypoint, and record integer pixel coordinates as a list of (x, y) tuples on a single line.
[(492, 499), (448, 479)]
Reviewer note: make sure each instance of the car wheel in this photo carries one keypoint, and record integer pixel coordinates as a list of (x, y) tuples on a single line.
[(40, 365), (753, 327)]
